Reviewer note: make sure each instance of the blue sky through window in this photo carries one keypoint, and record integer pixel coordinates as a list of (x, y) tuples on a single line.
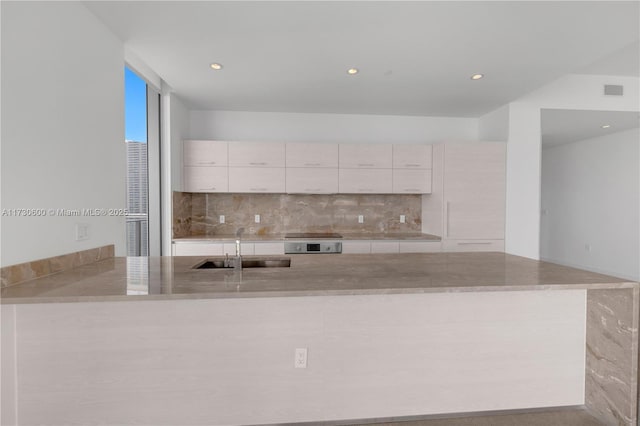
[(135, 107)]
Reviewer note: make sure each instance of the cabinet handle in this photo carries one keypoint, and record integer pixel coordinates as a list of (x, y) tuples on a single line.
[(411, 190), (258, 164), (311, 164), (207, 189), (313, 189), (206, 162), (257, 189), (412, 165), (475, 243), (365, 190), (365, 165)]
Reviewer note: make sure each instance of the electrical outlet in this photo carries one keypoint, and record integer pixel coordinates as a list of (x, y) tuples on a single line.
[(300, 360), (360, 218), (257, 218), (587, 247), (221, 218), (403, 218), (82, 231)]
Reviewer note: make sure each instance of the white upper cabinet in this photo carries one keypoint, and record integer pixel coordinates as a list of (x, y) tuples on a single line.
[(205, 153), (256, 154), (315, 180), (366, 181), (308, 168), (312, 155), (257, 179), (411, 156), (411, 181), (366, 156), (205, 179)]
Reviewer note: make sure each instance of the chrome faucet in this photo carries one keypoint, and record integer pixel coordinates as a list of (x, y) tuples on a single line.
[(237, 262)]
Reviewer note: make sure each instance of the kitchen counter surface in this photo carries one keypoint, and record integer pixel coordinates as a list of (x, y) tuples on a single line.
[(166, 278), (398, 236)]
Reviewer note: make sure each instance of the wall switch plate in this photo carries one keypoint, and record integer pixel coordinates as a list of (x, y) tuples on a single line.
[(300, 358), (82, 231), (403, 218), (360, 218), (587, 247), (257, 218), (221, 218)]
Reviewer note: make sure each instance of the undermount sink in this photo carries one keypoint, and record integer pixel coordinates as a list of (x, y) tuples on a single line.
[(262, 262)]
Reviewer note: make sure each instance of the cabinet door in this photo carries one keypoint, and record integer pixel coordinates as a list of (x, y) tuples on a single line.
[(356, 247), (385, 247), (366, 156), (312, 155), (420, 246), (256, 179), (365, 181), (204, 153), (312, 180), (256, 154), (472, 245), (411, 181), (474, 191), (205, 179), (411, 156), (245, 249), (269, 248), (197, 249)]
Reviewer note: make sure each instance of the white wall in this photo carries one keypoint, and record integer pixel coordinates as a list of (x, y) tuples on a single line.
[(591, 197), (63, 128), (523, 150), (179, 121), (303, 127), (494, 126)]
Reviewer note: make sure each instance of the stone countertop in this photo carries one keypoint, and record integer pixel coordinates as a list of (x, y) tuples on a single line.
[(168, 278), (399, 236)]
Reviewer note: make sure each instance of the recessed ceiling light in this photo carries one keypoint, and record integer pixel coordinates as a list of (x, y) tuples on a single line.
[(477, 76), (606, 126), (216, 66), (353, 71)]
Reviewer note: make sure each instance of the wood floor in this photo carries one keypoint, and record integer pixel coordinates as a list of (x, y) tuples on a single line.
[(564, 417)]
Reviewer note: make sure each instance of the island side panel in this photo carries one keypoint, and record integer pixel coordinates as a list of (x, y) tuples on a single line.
[(231, 361), (611, 382), (9, 401)]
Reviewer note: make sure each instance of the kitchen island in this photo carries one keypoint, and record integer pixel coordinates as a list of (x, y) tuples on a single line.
[(387, 336)]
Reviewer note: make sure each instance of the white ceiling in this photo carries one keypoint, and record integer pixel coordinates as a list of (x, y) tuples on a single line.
[(567, 126), (415, 57)]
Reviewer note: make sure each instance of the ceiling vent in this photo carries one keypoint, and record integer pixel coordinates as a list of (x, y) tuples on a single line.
[(613, 90)]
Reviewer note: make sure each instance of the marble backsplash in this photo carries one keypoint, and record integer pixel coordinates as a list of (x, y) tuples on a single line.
[(197, 214)]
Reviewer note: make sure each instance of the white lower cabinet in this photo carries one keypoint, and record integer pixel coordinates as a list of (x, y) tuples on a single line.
[(348, 247), (385, 246), (472, 245), (269, 248), (197, 249), (245, 249), (221, 249), (356, 247), (420, 246)]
